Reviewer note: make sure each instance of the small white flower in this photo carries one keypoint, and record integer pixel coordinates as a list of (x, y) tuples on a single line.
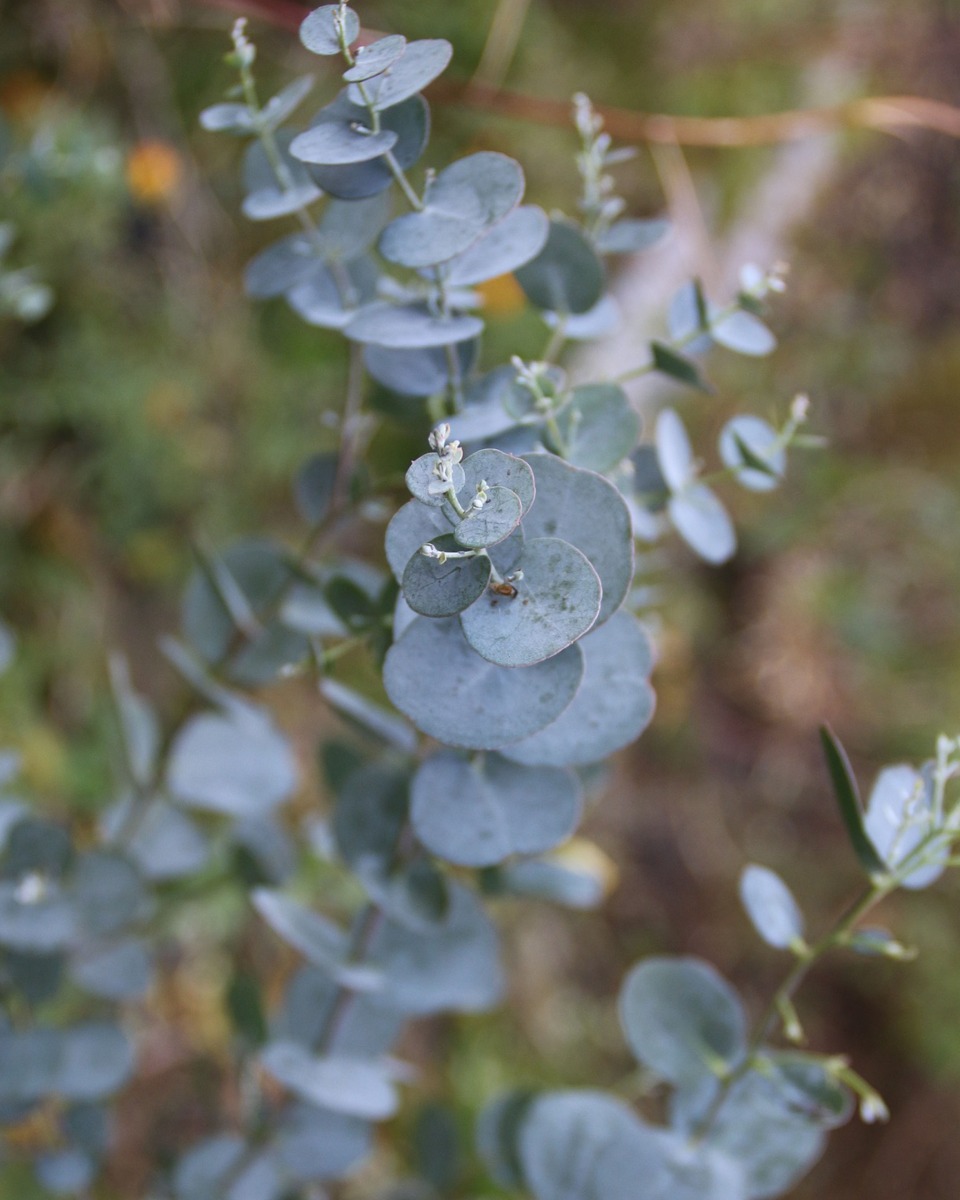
[(32, 888), (873, 1109)]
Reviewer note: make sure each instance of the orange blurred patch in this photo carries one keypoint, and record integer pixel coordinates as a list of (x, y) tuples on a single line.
[(154, 172), (503, 296)]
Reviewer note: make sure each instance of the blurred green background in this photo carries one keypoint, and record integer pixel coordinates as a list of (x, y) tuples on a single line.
[(154, 406)]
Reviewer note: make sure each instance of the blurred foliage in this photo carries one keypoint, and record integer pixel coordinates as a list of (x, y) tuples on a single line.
[(153, 406)]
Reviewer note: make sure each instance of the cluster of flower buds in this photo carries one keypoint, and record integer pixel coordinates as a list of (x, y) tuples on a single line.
[(449, 455)]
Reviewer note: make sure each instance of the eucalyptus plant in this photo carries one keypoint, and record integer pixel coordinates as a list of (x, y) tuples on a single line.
[(514, 656)]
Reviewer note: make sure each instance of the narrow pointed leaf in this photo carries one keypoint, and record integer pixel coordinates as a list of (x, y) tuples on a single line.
[(848, 799)]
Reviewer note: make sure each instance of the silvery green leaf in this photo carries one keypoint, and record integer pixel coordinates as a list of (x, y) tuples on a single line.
[(268, 844), (315, 1144), (599, 427), (280, 267), (566, 276), (573, 504), (498, 1134), (257, 1179), (629, 235), (95, 1060), (354, 1086), (613, 704), (703, 523), (415, 895), (403, 616), (417, 372), (557, 601), (491, 524), (443, 589), (329, 295), (240, 768), (370, 717), (206, 1167), (670, 362), (454, 966), (682, 1019), (746, 441), (37, 926), (476, 814), (600, 321), (688, 314), (498, 469), (65, 1172), (409, 327), (760, 1127), (421, 476), (410, 121), (468, 701), (108, 892), (286, 102), (165, 843), (543, 879), (566, 1137), (421, 62), (315, 937), (446, 225), (496, 180), (483, 415), (811, 1088), (771, 907), (336, 139), (37, 846), (228, 118), (119, 970), (674, 453), (743, 333), (348, 228), (509, 244), (369, 1026), (321, 30), (409, 528), (29, 1063), (671, 1168), (313, 486), (375, 58), (899, 817), (8, 646)]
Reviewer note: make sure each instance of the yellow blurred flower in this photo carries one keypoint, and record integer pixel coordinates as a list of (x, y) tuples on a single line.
[(503, 296), (154, 172)]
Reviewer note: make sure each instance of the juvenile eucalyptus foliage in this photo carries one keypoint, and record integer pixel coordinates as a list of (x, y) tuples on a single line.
[(514, 658)]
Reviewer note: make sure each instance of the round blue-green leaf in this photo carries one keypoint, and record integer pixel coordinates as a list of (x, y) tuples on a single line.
[(899, 817), (108, 892), (586, 510), (682, 1019), (671, 1169), (409, 327), (65, 1172), (410, 121), (433, 676), (376, 57), (476, 814), (96, 1059), (613, 704), (446, 225), (771, 907), (314, 1144), (703, 523), (674, 452), (348, 228), (511, 242), (266, 197), (354, 1086), (38, 926), (328, 298), (746, 440), (313, 486), (336, 140), (544, 879), (238, 767), (280, 267), (286, 102), (743, 333), (436, 589), (454, 966), (165, 844), (420, 63), (115, 970), (599, 427), (228, 118), (557, 601), (483, 415), (321, 30), (630, 235), (417, 372), (567, 1137), (421, 475), (496, 180), (603, 319), (807, 1082), (409, 528), (498, 1134), (566, 276), (499, 470), (489, 525), (205, 1168)]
